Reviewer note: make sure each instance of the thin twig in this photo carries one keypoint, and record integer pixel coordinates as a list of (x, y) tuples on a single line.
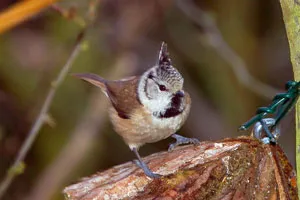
[(11, 173), (84, 136), (70, 14), (216, 40)]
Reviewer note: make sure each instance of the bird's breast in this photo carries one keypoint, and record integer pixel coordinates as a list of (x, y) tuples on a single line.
[(143, 127)]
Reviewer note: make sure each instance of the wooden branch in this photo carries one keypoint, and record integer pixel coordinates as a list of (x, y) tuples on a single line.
[(18, 165), (240, 168), (21, 11), (291, 17)]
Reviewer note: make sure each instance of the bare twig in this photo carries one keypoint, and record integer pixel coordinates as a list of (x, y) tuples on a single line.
[(216, 40), (88, 128), (83, 137), (18, 163), (70, 14)]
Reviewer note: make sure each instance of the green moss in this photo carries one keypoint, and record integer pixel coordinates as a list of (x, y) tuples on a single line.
[(180, 177)]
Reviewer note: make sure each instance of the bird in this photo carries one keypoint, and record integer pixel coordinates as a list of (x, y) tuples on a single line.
[(147, 108)]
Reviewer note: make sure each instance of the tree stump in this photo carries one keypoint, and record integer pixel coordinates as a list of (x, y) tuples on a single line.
[(233, 168)]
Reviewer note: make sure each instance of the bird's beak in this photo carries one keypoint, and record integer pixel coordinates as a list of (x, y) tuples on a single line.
[(180, 93)]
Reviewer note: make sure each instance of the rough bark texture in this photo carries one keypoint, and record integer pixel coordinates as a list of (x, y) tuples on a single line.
[(240, 168)]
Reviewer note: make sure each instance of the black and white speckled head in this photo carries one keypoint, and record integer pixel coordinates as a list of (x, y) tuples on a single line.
[(161, 87)]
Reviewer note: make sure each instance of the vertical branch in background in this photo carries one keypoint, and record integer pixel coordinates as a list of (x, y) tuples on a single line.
[(82, 138), (291, 17), (18, 164), (130, 30), (216, 41)]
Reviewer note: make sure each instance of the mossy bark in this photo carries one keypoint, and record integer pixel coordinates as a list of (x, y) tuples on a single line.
[(233, 168)]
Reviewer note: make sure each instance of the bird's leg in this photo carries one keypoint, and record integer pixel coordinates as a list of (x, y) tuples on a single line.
[(139, 162), (182, 140)]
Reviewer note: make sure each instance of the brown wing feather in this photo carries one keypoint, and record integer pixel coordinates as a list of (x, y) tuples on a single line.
[(123, 95), (92, 78)]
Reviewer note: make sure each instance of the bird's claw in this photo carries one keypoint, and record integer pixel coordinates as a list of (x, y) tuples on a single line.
[(182, 140), (146, 169)]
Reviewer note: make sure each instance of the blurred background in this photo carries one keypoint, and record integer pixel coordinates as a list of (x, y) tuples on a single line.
[(233, 55)]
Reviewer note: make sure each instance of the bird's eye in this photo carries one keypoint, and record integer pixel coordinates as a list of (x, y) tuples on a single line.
[(150, 76), (162, 88)]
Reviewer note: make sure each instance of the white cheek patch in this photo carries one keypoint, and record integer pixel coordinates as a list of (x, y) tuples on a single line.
[(158, 105), (154, 100), (152, 89)]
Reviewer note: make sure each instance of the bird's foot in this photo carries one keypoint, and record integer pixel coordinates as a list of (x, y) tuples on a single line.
[(146, 169), (182, 140), (140, 163)]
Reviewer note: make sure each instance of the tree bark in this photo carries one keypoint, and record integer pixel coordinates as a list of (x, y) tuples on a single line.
[(291, 17), (239, 168)]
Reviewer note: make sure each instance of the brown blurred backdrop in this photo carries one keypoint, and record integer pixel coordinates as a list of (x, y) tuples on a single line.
[(233, 55)]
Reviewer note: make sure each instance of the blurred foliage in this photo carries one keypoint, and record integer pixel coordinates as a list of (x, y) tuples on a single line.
[(32, 54)]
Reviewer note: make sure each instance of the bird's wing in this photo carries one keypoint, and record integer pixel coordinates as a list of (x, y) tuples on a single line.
[(123, 95)]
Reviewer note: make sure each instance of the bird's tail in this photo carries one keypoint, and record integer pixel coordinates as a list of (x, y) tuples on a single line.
[(93, 79)]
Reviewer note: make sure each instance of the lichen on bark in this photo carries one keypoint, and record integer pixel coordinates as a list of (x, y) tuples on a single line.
[(233, 168)]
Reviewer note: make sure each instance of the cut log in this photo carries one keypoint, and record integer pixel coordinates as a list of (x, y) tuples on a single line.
[(239, 168)]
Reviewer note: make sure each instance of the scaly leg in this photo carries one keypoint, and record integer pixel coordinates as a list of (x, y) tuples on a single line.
[(143, 165), (182, 140)]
